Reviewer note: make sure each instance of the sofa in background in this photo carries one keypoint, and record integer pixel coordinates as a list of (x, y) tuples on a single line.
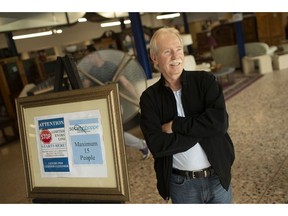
[(228, 56)]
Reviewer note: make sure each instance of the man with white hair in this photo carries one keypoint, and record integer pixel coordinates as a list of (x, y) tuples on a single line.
[(185, 122)]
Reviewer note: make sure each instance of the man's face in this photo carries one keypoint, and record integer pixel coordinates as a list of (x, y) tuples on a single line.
[(170, 55)]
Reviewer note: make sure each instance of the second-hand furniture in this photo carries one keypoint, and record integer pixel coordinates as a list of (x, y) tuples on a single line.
[(225, 33), (225, 75), (12, 80), (257, 27), (228, 56), (280, 60), (264, 63), (190, 64)]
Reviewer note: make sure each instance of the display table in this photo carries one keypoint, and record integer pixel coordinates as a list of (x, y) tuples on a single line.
[(225, 75)]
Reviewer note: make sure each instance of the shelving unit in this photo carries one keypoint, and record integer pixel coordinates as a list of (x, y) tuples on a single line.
[(12, 81)]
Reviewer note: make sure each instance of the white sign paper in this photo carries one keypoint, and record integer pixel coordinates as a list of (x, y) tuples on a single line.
[(71, 145)]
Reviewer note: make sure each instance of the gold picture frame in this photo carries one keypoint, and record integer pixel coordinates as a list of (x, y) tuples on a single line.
[(55, 164)]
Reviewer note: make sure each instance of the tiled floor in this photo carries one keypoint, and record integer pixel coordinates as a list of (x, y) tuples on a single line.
[(258, 127)]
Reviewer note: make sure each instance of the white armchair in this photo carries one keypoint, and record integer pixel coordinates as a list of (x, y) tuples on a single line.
[(190, 64)]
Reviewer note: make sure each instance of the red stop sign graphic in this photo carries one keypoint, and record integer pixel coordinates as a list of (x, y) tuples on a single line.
[(46, 136)]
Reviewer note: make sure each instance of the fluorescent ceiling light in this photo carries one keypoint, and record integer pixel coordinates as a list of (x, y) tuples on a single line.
[(113, 14), (110, 24), (116, 23), (57, 31), (168, 16), (83, 19), (39, 34)]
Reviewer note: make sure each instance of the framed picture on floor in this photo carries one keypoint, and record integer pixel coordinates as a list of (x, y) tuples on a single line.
[(73, 146)]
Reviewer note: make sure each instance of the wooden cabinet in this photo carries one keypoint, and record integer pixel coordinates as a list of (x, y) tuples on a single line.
[(225, 34), (270, 28), (249, 25), (262, 27), (202, 44), (12, 81)]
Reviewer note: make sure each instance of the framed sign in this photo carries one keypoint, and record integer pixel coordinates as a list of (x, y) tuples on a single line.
[(73, 146)]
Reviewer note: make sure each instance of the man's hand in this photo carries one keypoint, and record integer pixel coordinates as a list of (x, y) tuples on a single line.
[(167, 127)]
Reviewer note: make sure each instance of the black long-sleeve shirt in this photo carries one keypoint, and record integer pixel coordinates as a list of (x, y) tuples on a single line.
[(205, 121)]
